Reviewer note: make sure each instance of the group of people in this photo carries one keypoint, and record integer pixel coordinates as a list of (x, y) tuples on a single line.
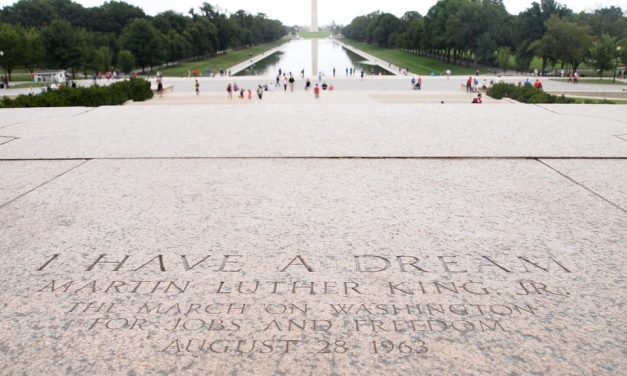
[(416, 83), (96, 76), (537, 84), (282, 80), (573, 77), (208, 73)]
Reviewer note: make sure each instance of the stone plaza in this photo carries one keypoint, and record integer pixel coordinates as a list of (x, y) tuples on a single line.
[(365, 233)]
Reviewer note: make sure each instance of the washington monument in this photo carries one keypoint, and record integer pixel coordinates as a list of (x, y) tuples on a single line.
[(314, 15)]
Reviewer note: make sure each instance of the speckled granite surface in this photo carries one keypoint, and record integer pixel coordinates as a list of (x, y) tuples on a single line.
[(313, 267), (21, 177), (345, 125)]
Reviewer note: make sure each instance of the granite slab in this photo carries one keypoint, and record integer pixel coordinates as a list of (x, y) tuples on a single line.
[(12, 116), (20, 177), (312, 267), (317, 129), (607, 178)]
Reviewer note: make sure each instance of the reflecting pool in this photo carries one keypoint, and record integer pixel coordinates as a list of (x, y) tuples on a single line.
[(312, 56)]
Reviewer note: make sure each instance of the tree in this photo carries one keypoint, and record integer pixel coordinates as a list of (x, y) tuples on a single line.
[(100, 59), (566, 40), (176, 46), (126, 61), (143, 40), (603, 54), (65, 47), (32, 49), (387, 24), (504, 55), (36, 13), (609, 21), (11, 46), (530, 27), (114, 16), (523, 59), (202, 35), (171, 21)]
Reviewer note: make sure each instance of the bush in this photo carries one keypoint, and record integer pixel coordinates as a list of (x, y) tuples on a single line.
[(525, 94), (137, 90)]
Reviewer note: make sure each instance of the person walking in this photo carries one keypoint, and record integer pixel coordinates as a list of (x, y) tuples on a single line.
[(159, 87), (292, 81), (307, 85), (260, 92), (538, 84), (317, 91), (285, 83), (334, 72), (229, 90), (469, 84), (197, 87)]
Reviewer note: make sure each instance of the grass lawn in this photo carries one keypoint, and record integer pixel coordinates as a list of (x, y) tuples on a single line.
[(218, 62), (314, 34), (20, 75), (599, 101), (26, 85), (607, 81), (416, 64)]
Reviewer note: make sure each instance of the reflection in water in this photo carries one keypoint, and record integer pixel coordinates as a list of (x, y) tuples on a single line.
[(312, 56), (260, 68)]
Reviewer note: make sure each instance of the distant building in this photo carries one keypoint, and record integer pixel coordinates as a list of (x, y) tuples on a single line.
[(50, 76)]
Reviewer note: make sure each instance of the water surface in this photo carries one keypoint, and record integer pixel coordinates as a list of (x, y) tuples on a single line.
[(312, 56)]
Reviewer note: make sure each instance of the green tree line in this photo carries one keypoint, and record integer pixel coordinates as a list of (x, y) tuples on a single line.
[(64, 34), (473, 32)]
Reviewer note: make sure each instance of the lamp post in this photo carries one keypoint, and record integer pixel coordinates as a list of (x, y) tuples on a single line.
[(616, 63)]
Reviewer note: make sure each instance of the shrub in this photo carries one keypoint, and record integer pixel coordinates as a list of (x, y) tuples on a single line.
[(137, 90), (500, 91), (525, 94)]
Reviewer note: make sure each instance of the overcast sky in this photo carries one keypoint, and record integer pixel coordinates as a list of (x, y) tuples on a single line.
[(297, 12)]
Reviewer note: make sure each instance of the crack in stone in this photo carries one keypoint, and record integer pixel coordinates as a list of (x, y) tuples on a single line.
[(84, 112), (578, 115), (10, 125), (3, 205), (583, 186), (10, 138)]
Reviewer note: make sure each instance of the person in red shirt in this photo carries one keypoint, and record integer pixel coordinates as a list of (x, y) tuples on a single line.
[(317, 91), (478, 100), (537, 84)]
